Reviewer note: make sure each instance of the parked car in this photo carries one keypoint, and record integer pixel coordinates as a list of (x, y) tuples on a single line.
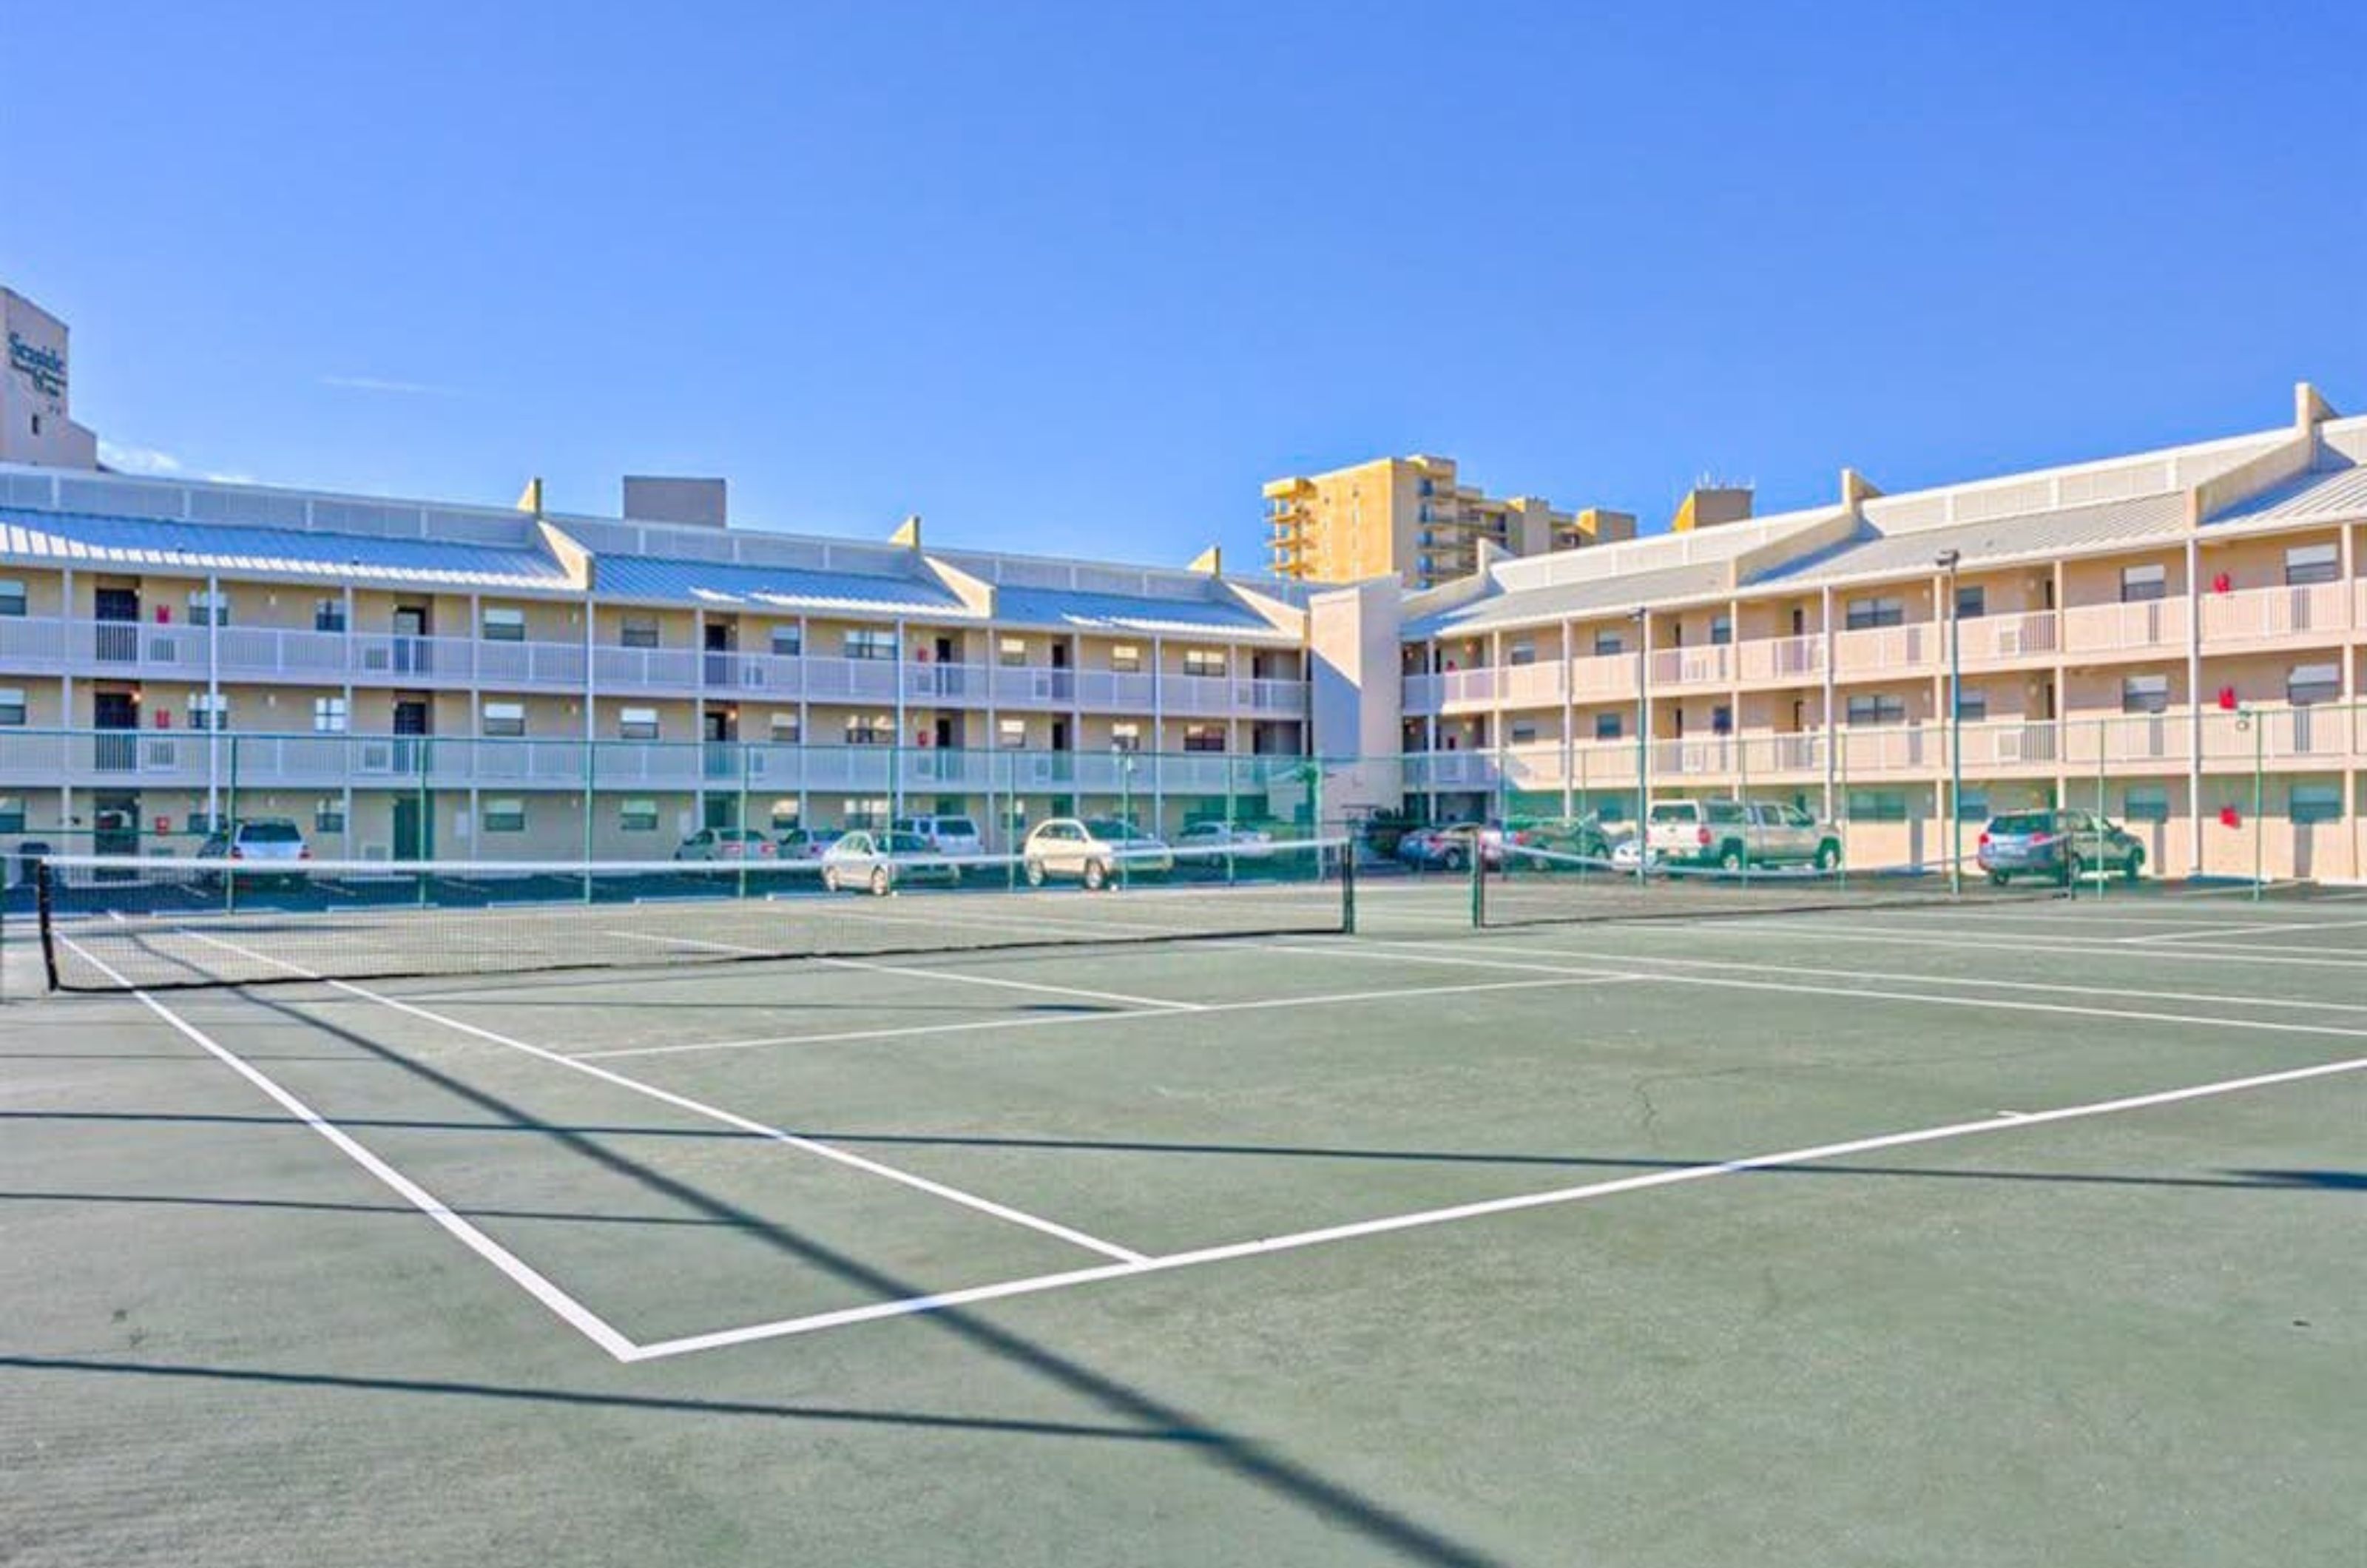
[(1581, 836), (1095, 851), (1630, 853), (1451, 848), (1220, 836), (2061, 846), (804, 846), (881, 862), (725, 844), (947, 835), (1734, 835), (256, 844)]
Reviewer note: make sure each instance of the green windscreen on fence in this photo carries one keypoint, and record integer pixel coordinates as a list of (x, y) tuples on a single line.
[(116, 923)]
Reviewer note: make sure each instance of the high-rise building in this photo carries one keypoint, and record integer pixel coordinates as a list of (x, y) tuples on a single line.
[(1408, 517)]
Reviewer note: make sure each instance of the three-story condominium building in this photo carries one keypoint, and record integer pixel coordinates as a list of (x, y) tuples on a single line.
[(415, 679), (2178, 637)]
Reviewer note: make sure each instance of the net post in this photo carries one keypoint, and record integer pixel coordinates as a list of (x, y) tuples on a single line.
[(739, 815), (1478, 878), (426, 847), (1742, 790), (1347, 882), (2103, 879), (44, 906)]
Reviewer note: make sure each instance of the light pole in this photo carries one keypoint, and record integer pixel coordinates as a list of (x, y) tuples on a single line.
[(1126, 800), (1947, 562), (1643, 740)]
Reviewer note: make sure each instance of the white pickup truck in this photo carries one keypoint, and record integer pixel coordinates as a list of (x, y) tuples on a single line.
[(1735, 834)]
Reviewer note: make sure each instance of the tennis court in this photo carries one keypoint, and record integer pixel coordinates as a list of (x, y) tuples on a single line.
[(1887, 1232)]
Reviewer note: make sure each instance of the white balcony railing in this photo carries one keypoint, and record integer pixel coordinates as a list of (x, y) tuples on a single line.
[(1989, 639), (2258, 614), (2149, 626)]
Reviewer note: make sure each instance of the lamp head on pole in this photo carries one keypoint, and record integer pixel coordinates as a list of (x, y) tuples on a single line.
[(1947, 559)]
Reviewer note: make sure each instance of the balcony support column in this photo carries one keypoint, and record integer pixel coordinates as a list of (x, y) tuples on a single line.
[(1831, 741), (1568, 730), (213, 698), (2194, 704), (896, 754), (1157, 747)]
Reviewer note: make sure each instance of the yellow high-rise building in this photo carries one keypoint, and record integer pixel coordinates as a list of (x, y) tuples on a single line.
[(1408, 516)]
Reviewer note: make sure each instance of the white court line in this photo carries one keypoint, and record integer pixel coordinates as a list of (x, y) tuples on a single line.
[(1890, 977), (1157, 1003), (2002, 1123), (1793, 928), (717, 1113), (570, 1311), (2279, 927), (1387, 949), (1573, 978)]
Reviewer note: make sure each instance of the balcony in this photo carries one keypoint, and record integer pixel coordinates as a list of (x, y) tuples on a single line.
[(1883, 650), (1782, 658), (2002, 639), (2260, 615), (1680, 666), (2150, 627)]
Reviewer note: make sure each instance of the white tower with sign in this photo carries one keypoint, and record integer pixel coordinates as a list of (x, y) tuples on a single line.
[(34, 425)]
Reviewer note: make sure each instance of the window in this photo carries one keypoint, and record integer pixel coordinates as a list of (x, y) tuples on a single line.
[(638, 631), (1011, 652), (1125, 659), (1125, 735), (1607, 643), (1721, 629), (1521, 652), (784, 815), (1207, 661), (1524, 731), (2315, 803), (870, 730), (2304, 563), (789, 641), (639, 815), (504, 623), (1973, 805), (328, 815), (2139, 583), (328, 615), (1011, 732), (1863, 614), (868, 643), (1204, 737), (1878, 707), (2145, 693), (209, 608), (2313, 684), (504, 718), (2147, 803), (328, 716), (504, 814), (1607, 727), (12, 706), (865, 814), (1972, 707), (1972, 601), (208, 711), (11, 599), (785, 729), (637, 724), (11, 812), (1877, 806)]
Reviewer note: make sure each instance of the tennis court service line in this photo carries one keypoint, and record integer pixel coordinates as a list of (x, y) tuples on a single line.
[(715, 1113), (1573, 978), (1797, 928), (1963, 981), (575, 1314), (1154, 1003), (1385, 948), (2003, 1121)]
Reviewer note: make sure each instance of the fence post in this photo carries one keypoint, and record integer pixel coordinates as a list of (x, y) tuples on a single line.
[(591, 776)]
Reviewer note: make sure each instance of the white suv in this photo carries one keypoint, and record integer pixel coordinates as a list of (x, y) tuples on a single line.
[(1095, 851), (947, 835)]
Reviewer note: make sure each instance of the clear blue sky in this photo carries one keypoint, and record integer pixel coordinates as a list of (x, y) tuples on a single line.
[(1077, 277)]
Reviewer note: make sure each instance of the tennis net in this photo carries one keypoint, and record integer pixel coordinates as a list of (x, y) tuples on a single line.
[(111, 923), (1534, 887)]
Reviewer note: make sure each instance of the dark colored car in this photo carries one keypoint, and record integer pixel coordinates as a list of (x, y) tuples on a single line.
[(2061, 846)]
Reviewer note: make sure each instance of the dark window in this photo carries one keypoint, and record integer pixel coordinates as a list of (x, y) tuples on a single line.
[(1877, 806), (1606, 727), (2140, 583), (2147, 803), (2312, 563), (2316, 803), (1878, 707), (1864, 615), (639, 631), (2145, 693), (1972, 601), (329, 615), (2313, 684), (1721, 629)]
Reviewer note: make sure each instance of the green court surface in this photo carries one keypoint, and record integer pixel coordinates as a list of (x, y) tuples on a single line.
[(2015, 1233)]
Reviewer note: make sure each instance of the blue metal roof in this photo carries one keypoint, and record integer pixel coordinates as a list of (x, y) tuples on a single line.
[(1127, 612), (69, 538), (674, 581)]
